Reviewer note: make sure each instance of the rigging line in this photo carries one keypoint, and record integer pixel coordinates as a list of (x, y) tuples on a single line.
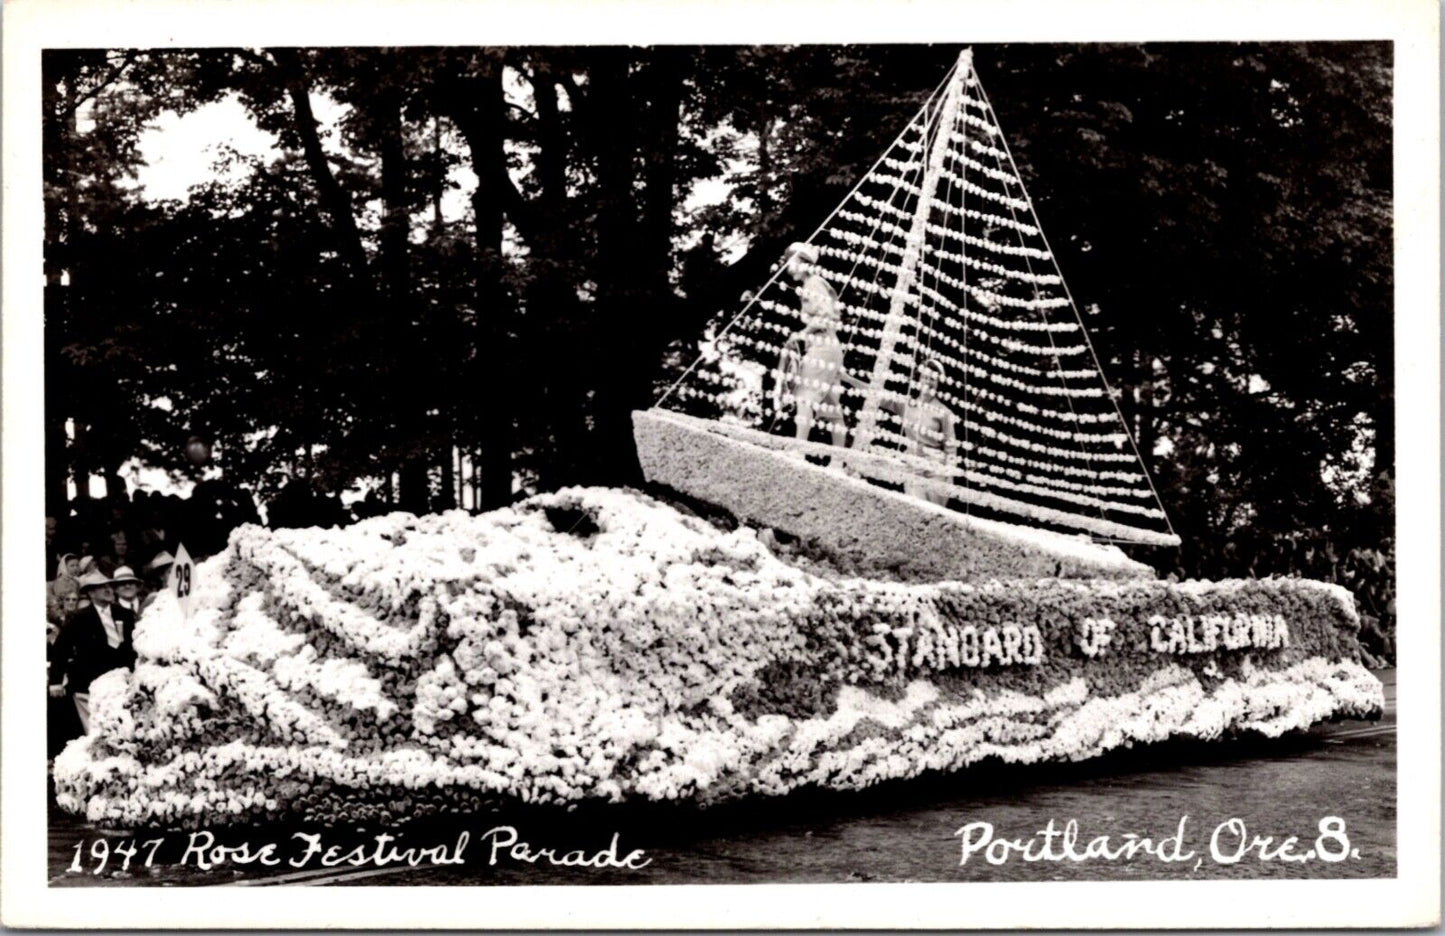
[(922, 110), (938, 276), (950, 445), (878, 270), (896, 318), (1043, 313), (933, 112), (874, 291), (1075, 306), (899, 182), (925, 197), (963, 296), (936, 269), (853, 327)]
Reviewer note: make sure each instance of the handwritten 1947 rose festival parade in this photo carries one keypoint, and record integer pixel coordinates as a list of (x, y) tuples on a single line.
[(886, 523)]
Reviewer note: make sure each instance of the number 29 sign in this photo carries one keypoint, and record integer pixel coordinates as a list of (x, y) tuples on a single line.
[(183, 571)]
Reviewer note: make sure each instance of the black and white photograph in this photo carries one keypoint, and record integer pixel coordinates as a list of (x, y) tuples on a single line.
[(894, 466)]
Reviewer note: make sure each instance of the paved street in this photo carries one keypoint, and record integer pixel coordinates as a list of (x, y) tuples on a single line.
[(1272, 790)]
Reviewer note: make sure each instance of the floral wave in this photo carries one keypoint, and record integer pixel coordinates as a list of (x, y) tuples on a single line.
[(598, 644)]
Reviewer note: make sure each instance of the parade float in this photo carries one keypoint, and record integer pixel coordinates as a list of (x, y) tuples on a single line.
[(939, 584)]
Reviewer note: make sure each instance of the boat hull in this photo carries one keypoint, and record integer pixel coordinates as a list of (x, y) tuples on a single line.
[(864, 528)]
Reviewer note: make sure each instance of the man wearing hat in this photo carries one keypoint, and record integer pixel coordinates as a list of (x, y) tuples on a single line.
[(96, 640), (127, 590)]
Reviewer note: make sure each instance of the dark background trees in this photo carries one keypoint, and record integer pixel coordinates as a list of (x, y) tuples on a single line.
[(1222, 212)]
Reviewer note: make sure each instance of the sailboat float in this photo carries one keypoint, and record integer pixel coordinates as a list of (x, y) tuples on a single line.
[(958, 593), (914, 396), (937, 270)]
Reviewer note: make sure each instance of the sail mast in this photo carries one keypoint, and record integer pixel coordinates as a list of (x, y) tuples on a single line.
[(912, 253)]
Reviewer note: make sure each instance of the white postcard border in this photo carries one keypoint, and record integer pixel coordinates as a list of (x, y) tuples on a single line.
[(1412, 898)]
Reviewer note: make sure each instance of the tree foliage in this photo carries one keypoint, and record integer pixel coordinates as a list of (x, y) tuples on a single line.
[(1222, 213)]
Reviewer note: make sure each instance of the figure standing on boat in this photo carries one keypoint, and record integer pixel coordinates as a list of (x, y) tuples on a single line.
[(928, 434), (810, 367)]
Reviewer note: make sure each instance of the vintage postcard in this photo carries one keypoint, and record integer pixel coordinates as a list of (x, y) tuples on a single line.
[(786, 465)]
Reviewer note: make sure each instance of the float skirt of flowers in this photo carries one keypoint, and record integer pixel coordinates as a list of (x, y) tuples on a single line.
[(600, 645)]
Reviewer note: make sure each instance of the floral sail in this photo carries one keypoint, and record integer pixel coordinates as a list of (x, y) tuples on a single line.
[(924, 337)]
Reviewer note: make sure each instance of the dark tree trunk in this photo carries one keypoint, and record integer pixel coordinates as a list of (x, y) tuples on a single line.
[(395, 220), (82, 463), (446, 498), (358, 290), (82, 459), (493, 302), (478, 107), (57, 464), (57, 298), (1147, 433), (402, 333), (115, 485), (660, 176), (414, 486), (476, 458), (635, 297), (334, 200), (620, 266), (763, 122), (446, 450), (551, 156), (554, 294), (57, 467), (1384, 408)]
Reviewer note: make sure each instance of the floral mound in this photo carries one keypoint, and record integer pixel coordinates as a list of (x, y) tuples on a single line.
[(598, 644)]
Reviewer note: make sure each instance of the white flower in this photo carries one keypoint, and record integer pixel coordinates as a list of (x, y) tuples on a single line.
[(655, 657)]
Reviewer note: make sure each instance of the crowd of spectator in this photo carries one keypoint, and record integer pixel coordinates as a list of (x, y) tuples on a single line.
[(106, 558)]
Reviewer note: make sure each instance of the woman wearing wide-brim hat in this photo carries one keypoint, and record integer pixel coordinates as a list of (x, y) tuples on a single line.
[(87, 566), (156, 572), (96, 640)]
